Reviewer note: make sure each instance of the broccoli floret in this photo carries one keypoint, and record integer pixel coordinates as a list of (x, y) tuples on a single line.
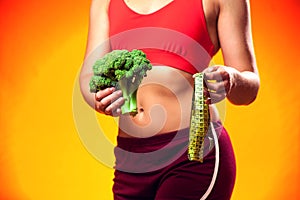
[(124, 70)]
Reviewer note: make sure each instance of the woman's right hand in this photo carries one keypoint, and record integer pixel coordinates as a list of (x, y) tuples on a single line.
[(109, 101)]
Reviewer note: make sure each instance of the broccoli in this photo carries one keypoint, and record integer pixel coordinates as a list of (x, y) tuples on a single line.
[(124, 70)]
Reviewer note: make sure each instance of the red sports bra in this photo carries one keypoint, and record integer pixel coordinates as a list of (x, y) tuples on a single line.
[(175, 35)]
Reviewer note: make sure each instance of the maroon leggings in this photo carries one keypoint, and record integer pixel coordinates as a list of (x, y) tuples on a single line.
[(158, 168)]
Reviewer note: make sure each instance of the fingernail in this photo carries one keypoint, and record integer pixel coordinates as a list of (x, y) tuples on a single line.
[(97, 95), (119, 92), (107, 111), (121, 100)]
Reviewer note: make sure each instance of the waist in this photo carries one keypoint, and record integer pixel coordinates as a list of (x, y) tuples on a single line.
[(164, 104), (153, 143)]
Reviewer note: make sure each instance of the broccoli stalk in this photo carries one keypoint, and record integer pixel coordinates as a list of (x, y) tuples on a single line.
[(129, 90), (124, 70)]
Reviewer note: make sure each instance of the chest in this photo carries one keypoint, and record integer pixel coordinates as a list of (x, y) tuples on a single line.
[(176, 26), (145, 6), (183, 16)]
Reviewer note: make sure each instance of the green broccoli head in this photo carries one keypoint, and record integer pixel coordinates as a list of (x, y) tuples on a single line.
[(100, 82), (122, 69)]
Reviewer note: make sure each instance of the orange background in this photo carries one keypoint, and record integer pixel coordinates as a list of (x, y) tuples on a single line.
[(41, 156)]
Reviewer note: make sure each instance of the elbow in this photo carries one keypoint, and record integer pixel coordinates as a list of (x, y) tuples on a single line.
[(253, 92), (83, 81), (250, 99), (243, 100), (245, 97), (245, 90), (254, 97)]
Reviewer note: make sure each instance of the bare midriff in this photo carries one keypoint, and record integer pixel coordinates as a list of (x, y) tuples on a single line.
[(164, 104)]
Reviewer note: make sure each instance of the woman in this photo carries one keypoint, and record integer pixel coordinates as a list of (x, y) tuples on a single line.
[(170, 29)]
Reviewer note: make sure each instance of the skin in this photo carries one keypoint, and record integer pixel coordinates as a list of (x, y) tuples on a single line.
[(159, 96)]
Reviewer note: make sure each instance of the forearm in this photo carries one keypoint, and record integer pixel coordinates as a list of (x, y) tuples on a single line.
[(244, 87), (86, 74), (97, 46)]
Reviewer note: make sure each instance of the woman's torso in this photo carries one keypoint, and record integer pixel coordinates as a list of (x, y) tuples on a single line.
[(165, 95)]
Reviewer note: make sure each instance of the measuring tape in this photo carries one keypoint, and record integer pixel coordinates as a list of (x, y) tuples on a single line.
[(200, 122), (200, 119)]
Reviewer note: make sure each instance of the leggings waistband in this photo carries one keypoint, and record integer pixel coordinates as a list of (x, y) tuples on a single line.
[(158, 141), (139, 155)]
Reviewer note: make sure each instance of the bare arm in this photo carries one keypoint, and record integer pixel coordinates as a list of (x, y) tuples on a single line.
[(240, 77), (97, 46)]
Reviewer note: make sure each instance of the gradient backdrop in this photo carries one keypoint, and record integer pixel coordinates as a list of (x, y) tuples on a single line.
[(41, 156)]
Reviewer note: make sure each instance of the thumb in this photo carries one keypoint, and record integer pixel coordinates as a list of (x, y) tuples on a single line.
[(211, 69)]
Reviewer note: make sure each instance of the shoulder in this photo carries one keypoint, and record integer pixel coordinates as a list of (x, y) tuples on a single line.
[(238, 9), (234, 6), (99, 5), (232, 2), (235, 14)]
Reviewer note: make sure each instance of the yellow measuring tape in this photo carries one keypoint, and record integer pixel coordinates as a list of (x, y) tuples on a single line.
[(200, 119)]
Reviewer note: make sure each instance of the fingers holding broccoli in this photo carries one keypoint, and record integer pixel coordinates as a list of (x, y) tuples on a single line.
[(124, 70)]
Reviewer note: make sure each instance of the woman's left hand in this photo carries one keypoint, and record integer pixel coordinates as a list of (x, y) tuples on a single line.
[(219, 81)]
